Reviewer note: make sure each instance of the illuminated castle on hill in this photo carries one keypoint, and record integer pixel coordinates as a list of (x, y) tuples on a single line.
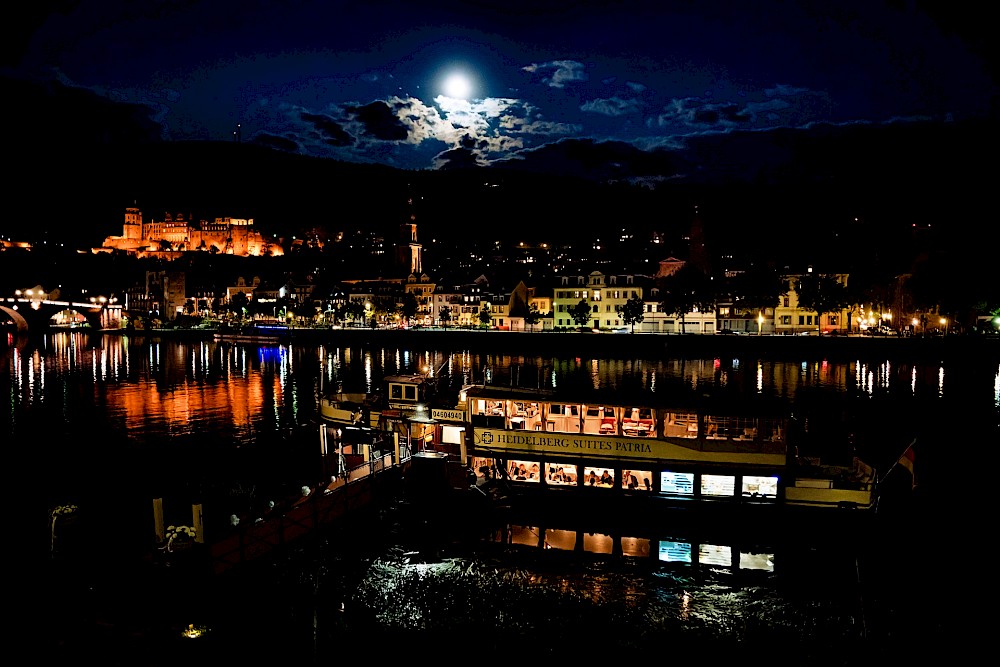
[(230, 236)]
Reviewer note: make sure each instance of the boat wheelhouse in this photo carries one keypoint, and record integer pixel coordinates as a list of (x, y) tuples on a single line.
[(402, 417), (694, 452)]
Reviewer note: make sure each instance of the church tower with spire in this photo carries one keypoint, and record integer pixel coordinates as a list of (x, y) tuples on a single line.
[(697, 252), (408, 251)]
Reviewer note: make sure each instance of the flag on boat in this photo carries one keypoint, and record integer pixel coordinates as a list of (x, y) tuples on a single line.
[(906, 460)]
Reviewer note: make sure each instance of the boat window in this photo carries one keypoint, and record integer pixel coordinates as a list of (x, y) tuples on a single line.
[(638, 422), (637, 480), (560, 474), (755, 486), (598, 477), (563, 418), (410, 392), (717, 428), (680, 425), (679, 483), (718, 485), (395, 391), (592, 419), (484, 468), (487, 414), (744, 428), (524, 471)]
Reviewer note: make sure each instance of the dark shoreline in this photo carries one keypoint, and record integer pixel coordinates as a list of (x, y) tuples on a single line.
[(589, 344)]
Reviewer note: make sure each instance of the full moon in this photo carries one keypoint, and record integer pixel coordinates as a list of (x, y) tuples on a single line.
[(457, 86)]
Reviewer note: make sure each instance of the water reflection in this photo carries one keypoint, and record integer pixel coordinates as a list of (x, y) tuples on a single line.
[(996, 389), (143, 380), (558, 587)]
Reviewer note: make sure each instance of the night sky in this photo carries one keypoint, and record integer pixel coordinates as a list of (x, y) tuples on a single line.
[(425, 85)]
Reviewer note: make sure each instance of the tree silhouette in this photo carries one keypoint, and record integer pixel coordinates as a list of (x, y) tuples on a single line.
[(631, 312), (532, 317), (444, 314), (686, 290), (408, 309), (821, 293), (238, 304), (756, 290), (354, 310), (581, 313)]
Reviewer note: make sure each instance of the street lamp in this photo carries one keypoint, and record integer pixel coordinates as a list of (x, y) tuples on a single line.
[(760, 323)]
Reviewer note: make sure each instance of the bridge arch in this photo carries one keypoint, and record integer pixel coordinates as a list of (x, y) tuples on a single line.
[(36, 315), (17, 319)]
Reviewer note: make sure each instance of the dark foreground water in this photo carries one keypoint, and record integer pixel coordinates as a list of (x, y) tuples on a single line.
[(110, 424), (384, 587)]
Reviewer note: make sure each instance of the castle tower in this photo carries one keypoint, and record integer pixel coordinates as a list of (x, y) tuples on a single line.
[(132, 229)]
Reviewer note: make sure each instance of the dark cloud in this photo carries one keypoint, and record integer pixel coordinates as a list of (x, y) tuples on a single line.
[(331, 131), (596, 161), (379, 121), (457, 158)]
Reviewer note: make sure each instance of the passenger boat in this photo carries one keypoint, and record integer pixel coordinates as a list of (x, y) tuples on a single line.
[(269, 334), (594, 450), (695, 452)]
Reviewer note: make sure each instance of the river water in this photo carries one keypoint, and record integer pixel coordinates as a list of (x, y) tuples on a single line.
[(108, 423)]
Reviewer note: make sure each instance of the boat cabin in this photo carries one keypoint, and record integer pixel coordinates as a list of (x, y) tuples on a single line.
[(680, 448)]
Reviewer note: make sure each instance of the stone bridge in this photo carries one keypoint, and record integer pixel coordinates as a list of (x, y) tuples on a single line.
[(35, 315)]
